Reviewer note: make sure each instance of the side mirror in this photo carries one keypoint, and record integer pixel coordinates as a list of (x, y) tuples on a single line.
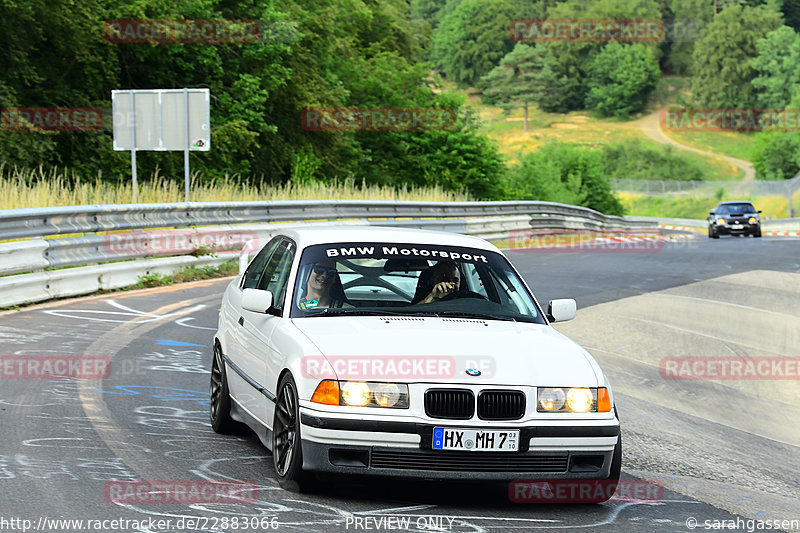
[(711, 213), (256, 300), (759, 211), (562, 310)]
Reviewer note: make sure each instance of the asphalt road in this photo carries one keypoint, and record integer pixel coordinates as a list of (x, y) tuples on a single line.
[(63, 441)]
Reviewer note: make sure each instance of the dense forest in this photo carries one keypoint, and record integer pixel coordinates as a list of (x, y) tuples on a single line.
[(391, 53)]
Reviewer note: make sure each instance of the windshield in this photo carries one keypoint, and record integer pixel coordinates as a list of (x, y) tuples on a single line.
[(736, 209), (410, 279)]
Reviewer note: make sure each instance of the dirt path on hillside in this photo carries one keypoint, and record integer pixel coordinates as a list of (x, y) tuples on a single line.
[(651, 127)]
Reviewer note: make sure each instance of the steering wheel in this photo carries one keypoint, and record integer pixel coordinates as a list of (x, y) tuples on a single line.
[(462, 294)]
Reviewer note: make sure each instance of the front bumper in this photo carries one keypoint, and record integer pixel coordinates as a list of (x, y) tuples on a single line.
[(745, 229), (403, 449)]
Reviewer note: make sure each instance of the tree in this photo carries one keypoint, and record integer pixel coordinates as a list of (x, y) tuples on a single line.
[(455, 158), (721, 72), (634, 158), (684, 23), (472, 39), (776, 65), (776, 155), (430, 11), (569, 61), (791, 13), (562, 172), (310, 53), (620, 79), (516, 80), (54, 55)]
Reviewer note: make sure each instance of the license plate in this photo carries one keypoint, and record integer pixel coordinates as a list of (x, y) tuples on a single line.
[(475, 440), (736, 226)]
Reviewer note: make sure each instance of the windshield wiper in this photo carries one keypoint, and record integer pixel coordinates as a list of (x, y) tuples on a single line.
[(464, 314), (351, 311)]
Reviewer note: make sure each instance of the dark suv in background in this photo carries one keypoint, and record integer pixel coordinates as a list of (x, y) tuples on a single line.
[(734, 218)]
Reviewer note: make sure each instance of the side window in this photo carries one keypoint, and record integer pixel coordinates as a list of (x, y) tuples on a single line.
[(276, 273), (473, 281), (253, 274)]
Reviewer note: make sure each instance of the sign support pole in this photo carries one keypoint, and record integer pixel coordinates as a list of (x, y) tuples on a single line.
[(186, 150), (135, 186)]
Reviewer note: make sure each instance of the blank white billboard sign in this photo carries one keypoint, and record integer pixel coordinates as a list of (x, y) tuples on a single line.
[(158, 119)]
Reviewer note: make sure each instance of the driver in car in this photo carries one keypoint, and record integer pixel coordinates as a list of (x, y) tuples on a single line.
[(437, 282), (321, 279)]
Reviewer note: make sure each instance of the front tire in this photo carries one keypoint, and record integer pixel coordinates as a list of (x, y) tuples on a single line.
[(712, 234), (608, 485), (616, 462), (287, 449), (220, 398)]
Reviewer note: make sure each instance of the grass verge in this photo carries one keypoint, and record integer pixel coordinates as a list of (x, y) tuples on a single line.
[(738, 145), (190, 273)]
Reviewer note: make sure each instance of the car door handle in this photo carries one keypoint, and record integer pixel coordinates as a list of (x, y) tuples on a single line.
[(241, 321)]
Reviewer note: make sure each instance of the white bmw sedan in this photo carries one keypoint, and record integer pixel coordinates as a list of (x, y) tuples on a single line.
[(399, 352)]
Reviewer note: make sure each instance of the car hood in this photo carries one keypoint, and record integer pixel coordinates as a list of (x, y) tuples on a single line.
[(431, 349)]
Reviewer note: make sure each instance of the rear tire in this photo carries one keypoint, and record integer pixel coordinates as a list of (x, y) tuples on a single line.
[(287, 448)]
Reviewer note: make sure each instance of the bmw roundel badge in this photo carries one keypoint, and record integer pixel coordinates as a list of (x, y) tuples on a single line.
[(473, 372)]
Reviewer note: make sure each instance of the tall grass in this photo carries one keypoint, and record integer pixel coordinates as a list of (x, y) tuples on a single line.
[(46, 187)]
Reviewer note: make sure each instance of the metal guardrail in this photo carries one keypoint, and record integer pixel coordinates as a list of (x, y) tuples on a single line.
[(26, 223), (131, 239), (775, 224)]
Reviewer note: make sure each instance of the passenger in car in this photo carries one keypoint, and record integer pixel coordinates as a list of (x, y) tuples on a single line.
[(439, 281), (323, 288)]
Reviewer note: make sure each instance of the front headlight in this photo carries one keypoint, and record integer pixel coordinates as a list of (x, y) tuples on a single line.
[(581, 400), (721, 221), (355, 393), (752, 220), (551, 399), (573, 400), (362, 394)]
